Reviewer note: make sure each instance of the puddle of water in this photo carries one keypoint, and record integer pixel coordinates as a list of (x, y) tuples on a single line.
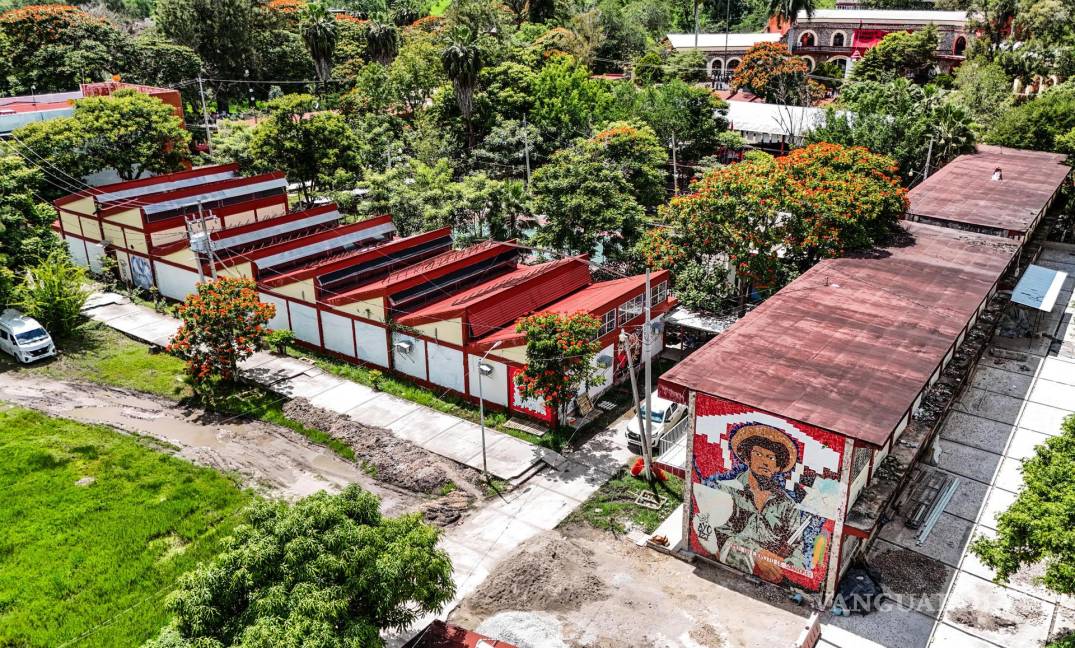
[(177, 431)]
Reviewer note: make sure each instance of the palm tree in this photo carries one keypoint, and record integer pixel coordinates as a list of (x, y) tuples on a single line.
[(462, 60), (319, 32), (382, 40), (789, 10)]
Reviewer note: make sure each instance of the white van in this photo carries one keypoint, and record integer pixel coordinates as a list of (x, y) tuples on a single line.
[(23, 338)]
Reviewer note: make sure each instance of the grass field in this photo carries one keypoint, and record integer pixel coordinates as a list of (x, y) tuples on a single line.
[(613, 508), (97, 558), (98, 354)]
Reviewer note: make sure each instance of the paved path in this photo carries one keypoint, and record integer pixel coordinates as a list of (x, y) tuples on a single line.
[(443, 434), (492, 534), (1011, 405)]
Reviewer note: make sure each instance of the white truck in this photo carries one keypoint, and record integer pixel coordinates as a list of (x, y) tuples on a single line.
[(24, 338)]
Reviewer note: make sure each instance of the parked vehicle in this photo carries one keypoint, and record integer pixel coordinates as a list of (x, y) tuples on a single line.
[(665, 416), (24, 338)]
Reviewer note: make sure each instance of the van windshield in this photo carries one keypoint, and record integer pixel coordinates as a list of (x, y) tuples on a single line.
[(657, 416), (29, 337)]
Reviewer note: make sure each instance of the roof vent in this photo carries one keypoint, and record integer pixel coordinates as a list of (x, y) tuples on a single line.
[(998, 175)]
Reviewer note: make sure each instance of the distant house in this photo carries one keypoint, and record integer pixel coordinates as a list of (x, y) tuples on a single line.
[(16, 112), (841, 36)]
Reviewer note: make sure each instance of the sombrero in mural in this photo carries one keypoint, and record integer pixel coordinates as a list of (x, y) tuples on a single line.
[(768, 433)]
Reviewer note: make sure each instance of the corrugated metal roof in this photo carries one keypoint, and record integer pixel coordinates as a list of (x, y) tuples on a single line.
[(1039, 288), (851, 343), (773, 119), (963, 191), (499, 301)]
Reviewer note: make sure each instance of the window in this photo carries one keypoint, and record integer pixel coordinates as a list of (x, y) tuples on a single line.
[(661, 293), (608, 323), (633, 308), (838, 39), (961, 46), (807, 39), (3, 335)]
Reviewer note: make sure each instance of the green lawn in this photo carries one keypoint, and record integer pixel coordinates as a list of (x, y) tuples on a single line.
[(439, 7), (613, 508), (98, 558)]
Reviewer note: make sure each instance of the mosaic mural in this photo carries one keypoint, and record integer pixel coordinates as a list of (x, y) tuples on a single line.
[(765, 493)]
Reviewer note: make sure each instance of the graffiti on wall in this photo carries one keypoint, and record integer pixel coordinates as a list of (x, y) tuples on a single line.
[(532, 406), (765, 493)]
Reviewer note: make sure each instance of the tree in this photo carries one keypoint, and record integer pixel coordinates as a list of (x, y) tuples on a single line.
[(127, 131), (504, 150), (223, 324), (53, 292), (222, 32), (462, 60), (566, 101), (690, 115), (983, 91), (415, 74), (382, 41), (898, 55), (787, 11), (25, 221), (56, 47), (311, 146), (328, 571), (319, 33), (419, 196), (559, 358), (587, 206), (771, 72), (1038, 123), (897, 119), (1036, 528), (160, 62), (648, 68), (633, 151)]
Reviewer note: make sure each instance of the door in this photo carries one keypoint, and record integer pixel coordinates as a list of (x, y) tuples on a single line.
[(6, 342)]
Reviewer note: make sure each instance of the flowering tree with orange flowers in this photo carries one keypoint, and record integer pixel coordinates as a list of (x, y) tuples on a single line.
[(559, 358), (765, 219), (770, 71), (223, 324)]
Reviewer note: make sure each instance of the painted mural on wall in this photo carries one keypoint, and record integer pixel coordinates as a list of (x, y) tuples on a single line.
[(765, 493)]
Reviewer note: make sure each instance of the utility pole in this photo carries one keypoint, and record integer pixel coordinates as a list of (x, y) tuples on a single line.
[(646, 450), (647, 355), (695, 25), (526, 152), (929, 157), (198, 260), (208, 241), (675, 166), (205, 116)]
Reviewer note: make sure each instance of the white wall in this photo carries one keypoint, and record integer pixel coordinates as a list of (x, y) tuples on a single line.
[(96, 253), (413, 363), (279, 320), (605, 372), (446, 366), (174, 282), (304, 323), (339, 335), (76, 247), (495, 385), (372, 345)]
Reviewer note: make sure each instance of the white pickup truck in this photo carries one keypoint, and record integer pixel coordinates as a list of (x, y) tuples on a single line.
[(665, 416)]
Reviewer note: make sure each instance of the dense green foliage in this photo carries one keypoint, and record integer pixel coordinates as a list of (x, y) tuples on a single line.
[(1038, 124), (53, 291), (899, 55), (97, 559), (1036, 528), (326, 572), (25, 220)]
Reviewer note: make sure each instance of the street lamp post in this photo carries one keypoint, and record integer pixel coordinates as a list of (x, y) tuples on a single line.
[(484, 370)]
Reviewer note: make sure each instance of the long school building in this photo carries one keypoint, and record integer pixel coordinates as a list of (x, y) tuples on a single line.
[(411, 305)]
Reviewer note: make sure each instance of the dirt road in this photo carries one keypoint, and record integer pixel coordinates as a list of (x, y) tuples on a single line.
[(269, 458), (581, 587)]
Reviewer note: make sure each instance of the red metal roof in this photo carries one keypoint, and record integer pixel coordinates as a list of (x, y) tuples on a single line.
[(149, 181), (418, 273), (498, 301), (850, 344), (339, 262), (161, 196), (439, 634), (963, 191), (596, 299), (317, 237)]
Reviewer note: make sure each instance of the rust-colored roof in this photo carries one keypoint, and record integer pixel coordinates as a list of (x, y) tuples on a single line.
[(850, 344), (964, 191), (498, 301), (439, 634)]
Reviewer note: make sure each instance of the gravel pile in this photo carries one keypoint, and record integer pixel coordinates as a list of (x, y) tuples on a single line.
[(909, 573)]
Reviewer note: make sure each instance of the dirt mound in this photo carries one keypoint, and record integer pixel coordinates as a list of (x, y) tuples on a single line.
[(982, 620), (909, 573), (384, 455), (447, 510), (548, 572)]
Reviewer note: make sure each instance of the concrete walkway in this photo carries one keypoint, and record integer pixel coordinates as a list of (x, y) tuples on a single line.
[(1016, 399), (443, 434)]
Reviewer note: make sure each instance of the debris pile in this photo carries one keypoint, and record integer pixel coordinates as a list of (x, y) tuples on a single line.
[(548, 572)]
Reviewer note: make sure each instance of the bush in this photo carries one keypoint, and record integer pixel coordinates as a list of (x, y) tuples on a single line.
[(53, 292), (279, 339)]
